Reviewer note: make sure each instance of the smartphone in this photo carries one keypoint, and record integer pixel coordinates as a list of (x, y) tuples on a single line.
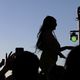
[(19, 50)]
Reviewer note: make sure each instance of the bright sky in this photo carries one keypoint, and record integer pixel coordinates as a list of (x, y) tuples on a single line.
[(20, 21)]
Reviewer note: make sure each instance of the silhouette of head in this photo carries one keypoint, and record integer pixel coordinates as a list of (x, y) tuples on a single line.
[(49, 23), (72, 64), (73, 59), (26, 66)]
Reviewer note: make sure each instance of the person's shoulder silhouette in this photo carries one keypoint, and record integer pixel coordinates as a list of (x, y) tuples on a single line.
[(73, 57), (72, 63)]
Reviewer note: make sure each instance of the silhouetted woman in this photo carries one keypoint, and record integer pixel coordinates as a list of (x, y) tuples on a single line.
[(48, 43)]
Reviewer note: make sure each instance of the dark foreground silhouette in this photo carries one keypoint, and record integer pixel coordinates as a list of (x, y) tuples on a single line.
[(24, 65), (49, 45), (57, 73), (72, 64)]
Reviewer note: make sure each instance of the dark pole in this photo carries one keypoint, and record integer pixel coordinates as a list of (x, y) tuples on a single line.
[(79, 32), (78, 12)]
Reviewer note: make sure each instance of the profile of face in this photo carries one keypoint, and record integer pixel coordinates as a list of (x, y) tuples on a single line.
[(50, 23)]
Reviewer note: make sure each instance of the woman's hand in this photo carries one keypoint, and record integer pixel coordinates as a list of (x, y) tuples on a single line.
[(66, 47)]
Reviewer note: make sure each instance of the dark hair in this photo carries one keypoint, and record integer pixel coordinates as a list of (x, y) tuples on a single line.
[(49, 23)]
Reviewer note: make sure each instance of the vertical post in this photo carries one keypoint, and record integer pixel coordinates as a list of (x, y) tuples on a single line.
[(79, 32), (78, 12)]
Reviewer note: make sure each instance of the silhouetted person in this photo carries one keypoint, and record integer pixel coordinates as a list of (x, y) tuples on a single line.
[(48, 44), (28, 64), (72, 64), (8, 66), (24, 65)]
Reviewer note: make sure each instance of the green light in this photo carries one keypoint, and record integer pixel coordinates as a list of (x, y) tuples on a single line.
[(74, 39)]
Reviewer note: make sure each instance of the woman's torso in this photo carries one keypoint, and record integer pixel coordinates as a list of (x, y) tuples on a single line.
[(50, 49)]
